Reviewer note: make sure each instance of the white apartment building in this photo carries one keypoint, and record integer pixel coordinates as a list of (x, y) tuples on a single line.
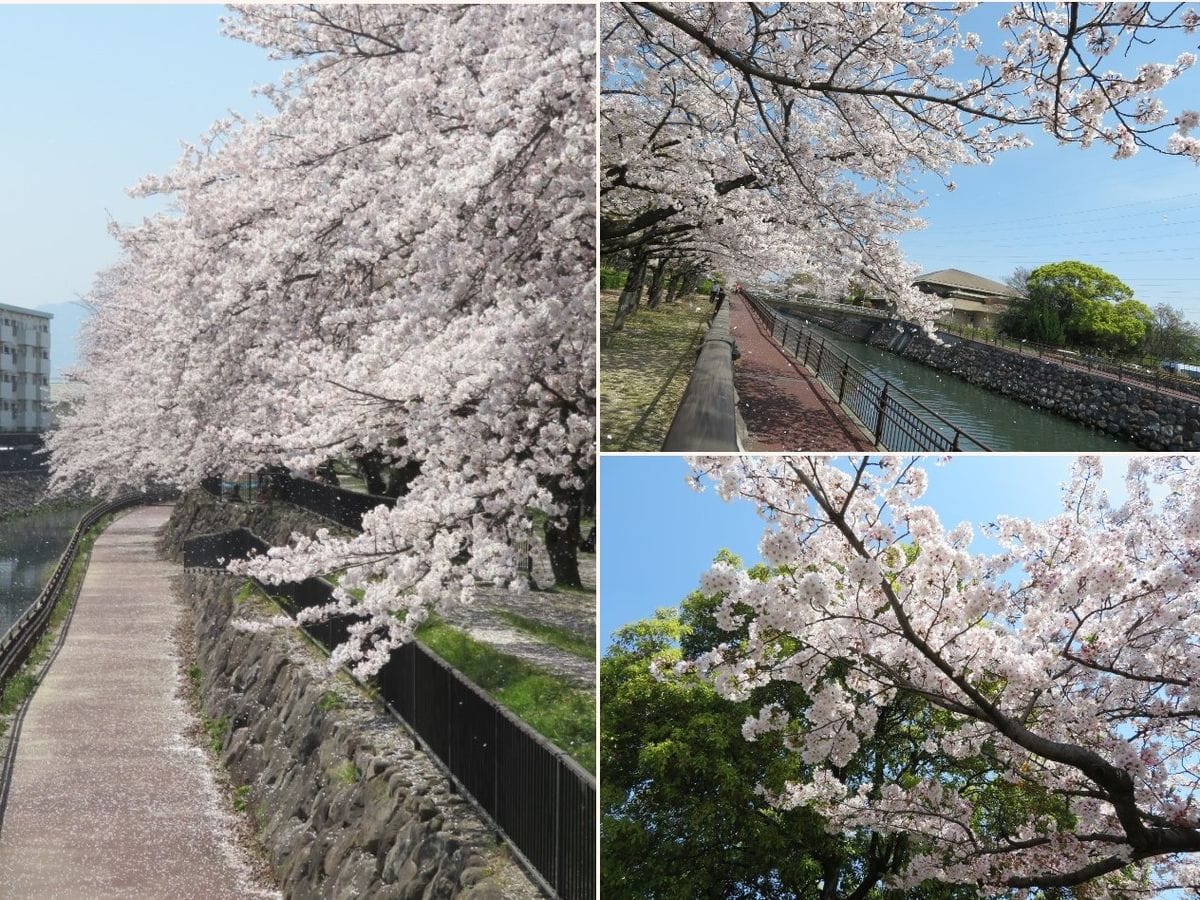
[(24, 369)]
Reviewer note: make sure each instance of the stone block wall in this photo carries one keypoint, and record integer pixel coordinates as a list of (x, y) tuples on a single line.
[(346, 804)]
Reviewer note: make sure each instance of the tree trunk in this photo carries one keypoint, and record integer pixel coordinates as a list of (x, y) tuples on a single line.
[(675, 288), (656, 284), (370, 466), (563, 538), (690, 283), (631, 294), (401, 478)]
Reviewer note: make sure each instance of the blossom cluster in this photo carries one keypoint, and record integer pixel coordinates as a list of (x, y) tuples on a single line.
[(1065, 665), (398, 260)]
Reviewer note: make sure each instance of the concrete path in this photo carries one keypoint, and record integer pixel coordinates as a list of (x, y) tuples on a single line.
[(109, 798), (782, 405)]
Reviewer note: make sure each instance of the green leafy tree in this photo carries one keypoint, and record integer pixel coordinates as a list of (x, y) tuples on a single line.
[(1171, 336), (1079, 304), (682, 813)]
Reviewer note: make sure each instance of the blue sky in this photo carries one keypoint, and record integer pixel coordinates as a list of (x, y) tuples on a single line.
[(93, 98), (658, 535), (1137, 218)]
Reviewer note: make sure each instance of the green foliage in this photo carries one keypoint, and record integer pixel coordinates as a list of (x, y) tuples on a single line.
[(1171, 336), (1114, 327), (562, 713), (346, 773), (681, 814), (612, 279), (330, 700), (1082, 305), (216, 730), (241, 797)]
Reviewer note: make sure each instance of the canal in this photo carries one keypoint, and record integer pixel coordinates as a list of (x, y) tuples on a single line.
[(998, 422), (29, 549)]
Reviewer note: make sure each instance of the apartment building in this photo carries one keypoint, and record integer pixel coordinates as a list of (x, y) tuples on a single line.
[(24, 369)]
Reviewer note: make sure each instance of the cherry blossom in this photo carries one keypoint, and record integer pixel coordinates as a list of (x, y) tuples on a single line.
[(1065, 665), (768, 139), (400, 259)]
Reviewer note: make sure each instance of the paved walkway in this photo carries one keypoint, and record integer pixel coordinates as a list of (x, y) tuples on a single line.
[(782, 405), (109, 798)]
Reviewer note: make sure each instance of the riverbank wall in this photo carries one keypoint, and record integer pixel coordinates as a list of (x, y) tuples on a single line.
[(1149, 419)]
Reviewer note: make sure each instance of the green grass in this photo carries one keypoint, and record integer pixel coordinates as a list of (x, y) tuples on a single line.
[(330, 700), (241, 797), (644, 372), (562, 638), (346, 773), (216, 730), (565, 715)]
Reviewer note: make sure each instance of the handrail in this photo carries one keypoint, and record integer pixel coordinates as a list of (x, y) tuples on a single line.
[(706, 419), (896, 420), (24, 633)]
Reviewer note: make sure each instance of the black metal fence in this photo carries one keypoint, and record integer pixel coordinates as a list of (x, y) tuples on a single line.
[(896, 420), (336, 504), (538, 797), (23, 635)]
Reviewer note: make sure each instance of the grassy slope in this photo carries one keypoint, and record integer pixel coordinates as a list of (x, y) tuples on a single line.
[(644, 373)]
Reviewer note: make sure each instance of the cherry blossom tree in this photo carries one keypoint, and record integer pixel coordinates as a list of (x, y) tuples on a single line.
[(786, 137), (398, 261), (1065, 667)]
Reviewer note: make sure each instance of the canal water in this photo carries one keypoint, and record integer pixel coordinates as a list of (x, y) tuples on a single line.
[(998, 422), (29, 549)]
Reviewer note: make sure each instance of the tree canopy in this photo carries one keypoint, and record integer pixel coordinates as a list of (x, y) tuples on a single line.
[(1064, 666), (787, 137), (399, 260), (1080, 304)]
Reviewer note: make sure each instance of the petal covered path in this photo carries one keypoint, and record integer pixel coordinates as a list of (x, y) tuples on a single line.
[(782, 405), (109, 797)]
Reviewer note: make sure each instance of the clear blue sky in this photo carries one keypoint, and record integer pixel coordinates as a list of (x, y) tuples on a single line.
[(93, 98), (1138, 218), (657, 535)]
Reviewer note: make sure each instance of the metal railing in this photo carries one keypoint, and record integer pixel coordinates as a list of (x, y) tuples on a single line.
[(1154, 379), (18, 642), (895, 419), (336, 504), (540, 799)]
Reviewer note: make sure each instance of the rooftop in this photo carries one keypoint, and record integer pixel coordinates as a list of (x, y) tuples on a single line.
[(25, 311), (957, 278)]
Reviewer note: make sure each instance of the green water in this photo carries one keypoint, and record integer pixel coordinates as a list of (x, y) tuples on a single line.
[(999, 423)]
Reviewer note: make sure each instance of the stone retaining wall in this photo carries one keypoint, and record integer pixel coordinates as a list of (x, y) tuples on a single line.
[(346, 804), (1151, 420)]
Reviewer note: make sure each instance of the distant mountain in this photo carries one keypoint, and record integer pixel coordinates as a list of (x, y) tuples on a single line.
[(64, 329)]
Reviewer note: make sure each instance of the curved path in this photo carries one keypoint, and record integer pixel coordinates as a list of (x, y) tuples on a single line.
[(109, 797), (781, 403)]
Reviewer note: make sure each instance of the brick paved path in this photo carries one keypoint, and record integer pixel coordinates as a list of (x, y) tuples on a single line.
[(782, 405)]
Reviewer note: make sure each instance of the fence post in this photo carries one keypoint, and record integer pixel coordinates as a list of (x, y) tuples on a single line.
[(558, 826), (879, 418), (820, 353), (842, 381), (799, 334)]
